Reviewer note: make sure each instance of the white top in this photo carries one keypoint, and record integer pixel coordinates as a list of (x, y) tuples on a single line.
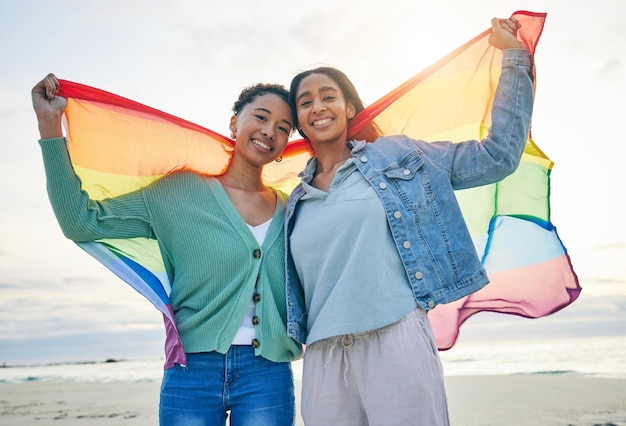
[(247, 331)]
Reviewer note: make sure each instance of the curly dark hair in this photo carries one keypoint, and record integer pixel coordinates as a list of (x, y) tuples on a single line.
[(250, 93)]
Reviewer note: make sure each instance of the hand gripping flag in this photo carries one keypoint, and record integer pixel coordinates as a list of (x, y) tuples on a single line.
[(117, 145)]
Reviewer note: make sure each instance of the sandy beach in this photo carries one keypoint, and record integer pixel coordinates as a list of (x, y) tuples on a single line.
[(474, 400)]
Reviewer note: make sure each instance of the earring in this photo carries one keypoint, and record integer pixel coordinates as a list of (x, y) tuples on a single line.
[(233, 135), (279, 159)]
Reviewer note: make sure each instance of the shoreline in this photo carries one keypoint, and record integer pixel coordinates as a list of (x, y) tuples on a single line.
[(536, 400)]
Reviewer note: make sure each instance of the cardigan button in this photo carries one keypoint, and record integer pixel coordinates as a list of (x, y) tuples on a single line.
[(256, 254), (256, 297), (255, 343), (255, 320)]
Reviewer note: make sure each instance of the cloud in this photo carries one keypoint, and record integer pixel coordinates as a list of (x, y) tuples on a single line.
[(590, 315), (82, 346), (611, 71), (74, 305)]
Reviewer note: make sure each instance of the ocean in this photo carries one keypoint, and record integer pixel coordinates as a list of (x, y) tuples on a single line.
[(589, 356), (586, 357)]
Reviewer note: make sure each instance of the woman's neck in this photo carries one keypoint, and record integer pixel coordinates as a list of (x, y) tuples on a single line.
[(329, 159), (331, 156), (254, 202), (243, 177)]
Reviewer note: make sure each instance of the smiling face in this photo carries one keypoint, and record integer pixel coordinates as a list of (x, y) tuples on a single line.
[(262, 129), (322, 109)]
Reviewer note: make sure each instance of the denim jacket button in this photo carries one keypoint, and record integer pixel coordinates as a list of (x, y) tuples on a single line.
[(397, 214), (406, 244), (382, 185), (406, 172), (418, 275), (431, 304), (363, 159)]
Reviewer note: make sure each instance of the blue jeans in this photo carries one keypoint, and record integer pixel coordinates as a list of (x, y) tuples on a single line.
[(256, 391)]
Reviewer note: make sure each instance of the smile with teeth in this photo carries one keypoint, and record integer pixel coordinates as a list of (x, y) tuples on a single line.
[(262, 145), (322, 122)]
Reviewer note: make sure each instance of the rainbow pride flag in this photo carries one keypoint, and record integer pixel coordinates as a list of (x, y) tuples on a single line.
[(529, 270), (118, 145)]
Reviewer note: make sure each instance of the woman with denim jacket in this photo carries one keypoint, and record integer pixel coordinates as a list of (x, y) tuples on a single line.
[(375, 239)]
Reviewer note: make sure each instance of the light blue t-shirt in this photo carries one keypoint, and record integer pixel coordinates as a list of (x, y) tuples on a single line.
[(353, 281)]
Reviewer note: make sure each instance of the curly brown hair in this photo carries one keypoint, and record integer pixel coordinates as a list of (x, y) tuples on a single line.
[(250, 93)]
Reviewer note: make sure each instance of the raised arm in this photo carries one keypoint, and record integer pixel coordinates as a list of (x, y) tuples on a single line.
[(504, 34), (81, 219), (476, 163), (48, 107)]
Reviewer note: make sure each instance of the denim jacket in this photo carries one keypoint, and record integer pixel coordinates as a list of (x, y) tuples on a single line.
[(415, 181)]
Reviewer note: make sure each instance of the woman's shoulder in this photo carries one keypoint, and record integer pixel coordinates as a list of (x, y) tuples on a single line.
[(393, 145), (281, 196), (185, 178)]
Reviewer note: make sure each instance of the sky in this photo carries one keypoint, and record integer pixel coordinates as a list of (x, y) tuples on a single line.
[(192, 58)]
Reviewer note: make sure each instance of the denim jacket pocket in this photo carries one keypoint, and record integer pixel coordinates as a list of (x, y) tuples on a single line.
[(406, 168), (411, 182)]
